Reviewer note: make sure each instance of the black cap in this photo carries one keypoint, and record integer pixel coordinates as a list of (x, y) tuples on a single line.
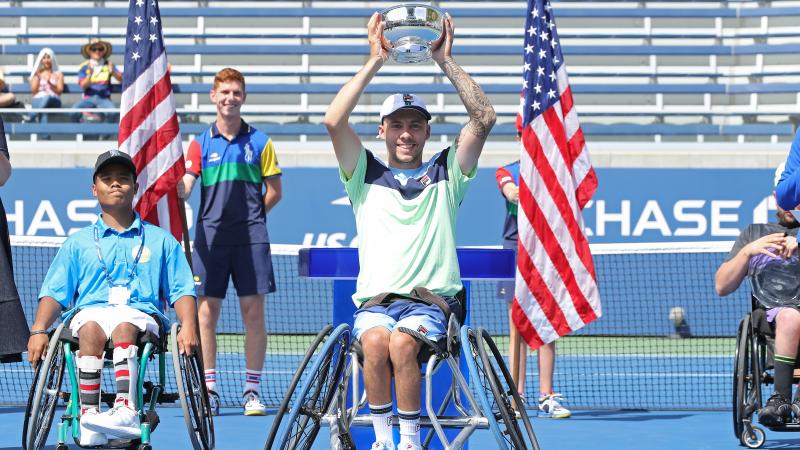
[(114, 157)]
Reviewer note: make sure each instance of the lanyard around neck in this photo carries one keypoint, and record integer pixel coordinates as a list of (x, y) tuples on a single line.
[(132, 272)]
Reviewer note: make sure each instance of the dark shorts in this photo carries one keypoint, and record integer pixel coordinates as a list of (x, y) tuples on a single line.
[(249, 265)]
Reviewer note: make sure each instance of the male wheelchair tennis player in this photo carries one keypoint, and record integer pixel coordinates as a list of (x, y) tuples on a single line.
[(767, 339), (110, 278), (330, 393)]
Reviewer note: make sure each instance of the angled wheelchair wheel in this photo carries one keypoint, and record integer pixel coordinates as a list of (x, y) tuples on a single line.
[(505, 392), (190, 380), (44, 394), (284, 406), (316, 394), (746, 380), (496, 408)]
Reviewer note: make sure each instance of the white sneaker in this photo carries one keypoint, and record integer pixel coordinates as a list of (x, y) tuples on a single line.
[(90, 437), (213, 402), (253, 405), (409, 446), (381, 445), (120, 421), (550, 406)]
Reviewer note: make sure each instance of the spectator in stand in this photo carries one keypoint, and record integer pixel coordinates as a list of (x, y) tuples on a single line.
[(7, 98), (47, 84), (94, 77)]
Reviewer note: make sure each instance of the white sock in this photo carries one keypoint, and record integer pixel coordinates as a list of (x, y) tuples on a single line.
[(211, 379), (382, 422), (252, 379), (409, 426)]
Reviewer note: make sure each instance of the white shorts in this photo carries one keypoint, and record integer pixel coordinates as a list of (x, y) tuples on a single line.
[(108, 317)]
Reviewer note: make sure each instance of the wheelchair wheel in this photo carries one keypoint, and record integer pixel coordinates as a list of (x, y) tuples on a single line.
[(504, 390), (192, 391), (743, 382), (317, 392), (755, 441), (497, 393), (497, 407), (284, 406), (43, 395)]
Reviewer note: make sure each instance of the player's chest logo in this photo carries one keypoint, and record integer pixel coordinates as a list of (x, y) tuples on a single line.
[(248, 153), (213, 157)]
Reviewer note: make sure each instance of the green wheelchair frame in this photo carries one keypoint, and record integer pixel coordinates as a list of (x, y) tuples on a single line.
[(46, 390)]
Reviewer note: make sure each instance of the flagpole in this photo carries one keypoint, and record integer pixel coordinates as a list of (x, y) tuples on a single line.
[(187, 250)]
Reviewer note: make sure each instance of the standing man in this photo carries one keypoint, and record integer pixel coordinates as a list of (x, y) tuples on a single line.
[(14, 337), (549, 402), (405, 216), (234, 161)]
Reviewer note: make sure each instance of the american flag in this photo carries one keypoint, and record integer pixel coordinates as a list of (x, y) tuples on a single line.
[(148, 126), (556, 287)]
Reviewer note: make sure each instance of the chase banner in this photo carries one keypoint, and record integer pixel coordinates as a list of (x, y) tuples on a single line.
[(631, 205)]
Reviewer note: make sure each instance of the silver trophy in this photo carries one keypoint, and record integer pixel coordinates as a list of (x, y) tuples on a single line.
[(410, 29)]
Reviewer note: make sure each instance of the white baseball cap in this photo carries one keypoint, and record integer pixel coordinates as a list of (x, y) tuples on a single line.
[(395, 102)]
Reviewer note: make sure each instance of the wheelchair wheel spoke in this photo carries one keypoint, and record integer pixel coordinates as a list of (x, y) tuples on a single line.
[(313, 399)]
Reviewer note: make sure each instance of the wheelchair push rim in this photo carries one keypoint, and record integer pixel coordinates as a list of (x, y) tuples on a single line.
[(317, 392), (284, 406), (190, 379), (505, 391), (43, 395)]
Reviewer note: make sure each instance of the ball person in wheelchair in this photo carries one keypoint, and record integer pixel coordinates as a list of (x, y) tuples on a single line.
[(757, 246), (405, 216), (110, 278)]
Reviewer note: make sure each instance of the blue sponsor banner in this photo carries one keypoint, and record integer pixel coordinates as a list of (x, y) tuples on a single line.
[(631, 205)]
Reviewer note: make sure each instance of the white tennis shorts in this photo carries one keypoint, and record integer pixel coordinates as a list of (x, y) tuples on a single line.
[(108, 317)]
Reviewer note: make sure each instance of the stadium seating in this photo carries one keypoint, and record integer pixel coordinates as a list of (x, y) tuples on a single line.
[(726, 70)]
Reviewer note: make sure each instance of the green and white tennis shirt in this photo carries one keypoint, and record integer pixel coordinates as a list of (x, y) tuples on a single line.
[(406, 226)]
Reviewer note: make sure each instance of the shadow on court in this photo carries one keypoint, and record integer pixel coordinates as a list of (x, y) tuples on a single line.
[(596, 430)]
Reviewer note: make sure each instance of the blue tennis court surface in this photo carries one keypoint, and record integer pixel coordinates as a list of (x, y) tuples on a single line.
[(596, 430)]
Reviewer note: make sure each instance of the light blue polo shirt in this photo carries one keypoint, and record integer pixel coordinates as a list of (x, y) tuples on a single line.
[(76, 278)]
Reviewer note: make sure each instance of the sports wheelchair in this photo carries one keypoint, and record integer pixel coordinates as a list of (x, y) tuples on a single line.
[(753, 364), (46, 390), (330, 383)]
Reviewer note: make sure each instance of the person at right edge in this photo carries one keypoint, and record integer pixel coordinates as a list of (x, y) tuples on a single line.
[(756, 244), (405, 216), (549, 402), (14, 338)]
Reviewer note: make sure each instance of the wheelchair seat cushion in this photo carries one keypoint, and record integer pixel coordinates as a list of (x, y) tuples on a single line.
[(448, 305), (159, 339)]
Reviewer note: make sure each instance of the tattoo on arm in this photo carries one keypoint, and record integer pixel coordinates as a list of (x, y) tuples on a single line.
[(478, 106)]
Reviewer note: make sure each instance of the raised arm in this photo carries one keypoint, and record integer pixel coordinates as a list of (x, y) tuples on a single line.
[(481, 113), (346, 143)]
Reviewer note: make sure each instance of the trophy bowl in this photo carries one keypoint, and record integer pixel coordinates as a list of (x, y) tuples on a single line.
[(776, 281), (410, 29)]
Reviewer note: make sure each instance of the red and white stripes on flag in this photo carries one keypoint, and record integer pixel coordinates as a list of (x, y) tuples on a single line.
[(148, 128), (556, 286)]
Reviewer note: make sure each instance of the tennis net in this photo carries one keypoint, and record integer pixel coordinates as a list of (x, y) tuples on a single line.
[(632, 357)]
